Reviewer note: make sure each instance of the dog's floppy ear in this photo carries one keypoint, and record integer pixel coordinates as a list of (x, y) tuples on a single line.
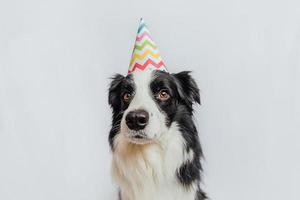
[(187, 88), (114, 90)]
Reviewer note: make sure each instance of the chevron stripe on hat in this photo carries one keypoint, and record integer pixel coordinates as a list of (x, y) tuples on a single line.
[(145, 55)]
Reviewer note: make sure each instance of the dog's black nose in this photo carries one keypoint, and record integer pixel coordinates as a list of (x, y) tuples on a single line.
[(137, 120)]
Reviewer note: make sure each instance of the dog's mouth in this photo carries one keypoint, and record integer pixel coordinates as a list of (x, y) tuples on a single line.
[(139, 138)]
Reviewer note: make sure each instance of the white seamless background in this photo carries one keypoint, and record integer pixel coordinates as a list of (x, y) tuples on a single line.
[(56, 58)]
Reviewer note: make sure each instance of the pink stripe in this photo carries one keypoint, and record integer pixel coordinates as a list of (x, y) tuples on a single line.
[(148, 62), (139, 38)]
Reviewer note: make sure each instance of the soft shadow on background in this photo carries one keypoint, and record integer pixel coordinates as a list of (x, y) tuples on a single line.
[(56, 58)]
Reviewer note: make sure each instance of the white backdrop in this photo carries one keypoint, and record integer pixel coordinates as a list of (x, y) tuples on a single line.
[(55, 60)]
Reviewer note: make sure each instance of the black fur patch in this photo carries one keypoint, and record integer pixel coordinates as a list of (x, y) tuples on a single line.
[(200, 195), (118, 87), (167, 82), (179, 108)]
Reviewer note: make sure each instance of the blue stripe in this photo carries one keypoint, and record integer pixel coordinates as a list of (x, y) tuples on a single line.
[(141, 27)]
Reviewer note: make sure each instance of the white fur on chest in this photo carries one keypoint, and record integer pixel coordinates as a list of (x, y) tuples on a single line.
[(148, 172)]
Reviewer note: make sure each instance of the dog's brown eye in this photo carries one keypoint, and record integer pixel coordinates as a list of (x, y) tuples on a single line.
[(127, 97), (163, 95)]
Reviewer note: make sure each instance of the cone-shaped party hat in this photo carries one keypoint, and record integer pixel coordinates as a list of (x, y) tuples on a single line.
[(145, 55)]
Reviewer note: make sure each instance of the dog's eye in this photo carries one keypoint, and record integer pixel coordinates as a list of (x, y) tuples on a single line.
[(163, 95), (127, 97)]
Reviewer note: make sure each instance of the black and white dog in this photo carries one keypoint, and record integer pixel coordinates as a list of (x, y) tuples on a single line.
[(155, 145)]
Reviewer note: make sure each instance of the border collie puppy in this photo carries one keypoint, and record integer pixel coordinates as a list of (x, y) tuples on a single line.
[(154, 141)]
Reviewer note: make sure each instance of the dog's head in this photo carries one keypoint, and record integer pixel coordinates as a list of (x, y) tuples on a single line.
[(146, 104)]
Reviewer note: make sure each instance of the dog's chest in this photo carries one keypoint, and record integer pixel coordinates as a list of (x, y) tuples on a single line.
[(149, 172)]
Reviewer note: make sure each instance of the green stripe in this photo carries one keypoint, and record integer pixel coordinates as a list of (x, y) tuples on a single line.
[(146, 42)]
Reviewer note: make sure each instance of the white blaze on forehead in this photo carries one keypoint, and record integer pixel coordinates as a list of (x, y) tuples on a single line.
[(142, 98)]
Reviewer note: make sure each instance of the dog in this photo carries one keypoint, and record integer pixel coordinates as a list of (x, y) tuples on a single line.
[(154, 141)]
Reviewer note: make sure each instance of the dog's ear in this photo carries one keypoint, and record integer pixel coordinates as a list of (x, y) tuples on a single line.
[(114, 90), (187, 88)]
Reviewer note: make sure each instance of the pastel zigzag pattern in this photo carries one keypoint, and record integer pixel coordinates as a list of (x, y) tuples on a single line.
[(146, 53), (144, 44), (143, 35), (148, 62)]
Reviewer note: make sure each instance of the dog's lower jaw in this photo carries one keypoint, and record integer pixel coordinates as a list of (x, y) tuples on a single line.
[(148, 172)]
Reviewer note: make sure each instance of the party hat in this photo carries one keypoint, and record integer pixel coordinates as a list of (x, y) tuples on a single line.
[(145, 55)]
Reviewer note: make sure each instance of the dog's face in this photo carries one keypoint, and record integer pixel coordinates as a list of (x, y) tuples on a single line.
[(145, 104)]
